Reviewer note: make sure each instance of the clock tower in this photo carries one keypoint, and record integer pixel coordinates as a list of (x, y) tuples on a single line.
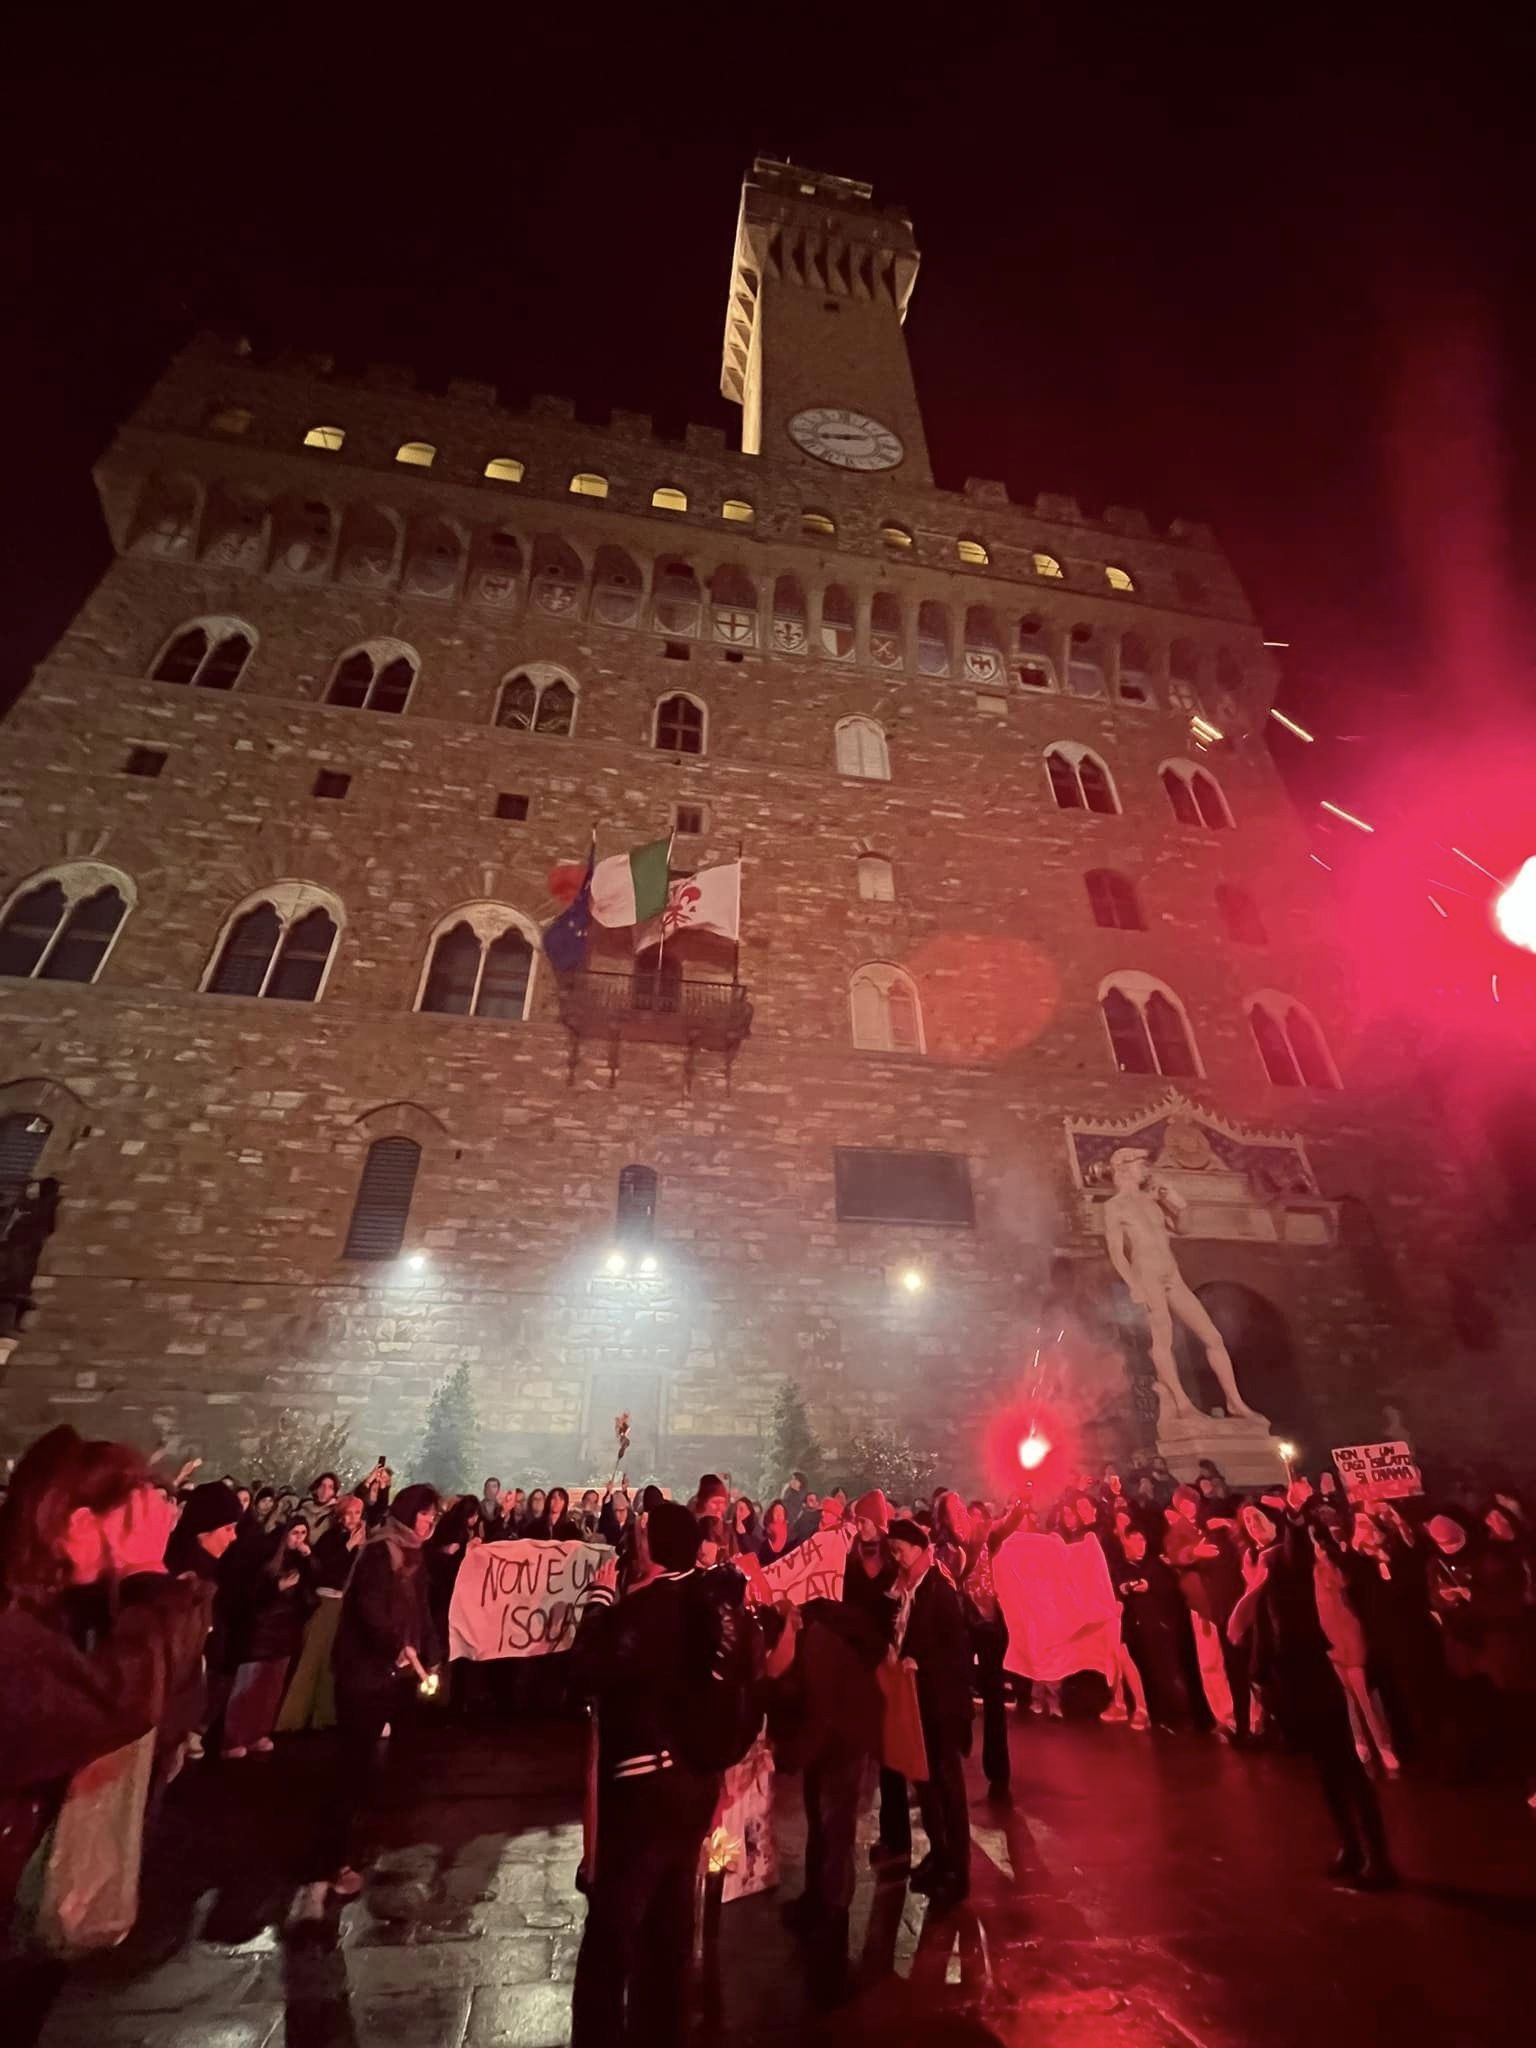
[(814, 349)]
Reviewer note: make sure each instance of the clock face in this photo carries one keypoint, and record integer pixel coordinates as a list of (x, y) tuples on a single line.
[(846, 439)]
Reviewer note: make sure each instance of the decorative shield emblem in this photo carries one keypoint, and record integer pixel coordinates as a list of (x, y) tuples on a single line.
[(494, 589), (555, 597), (789, 636), (837, 641), (885, 650), (982, 665), (737, 627), (615, 605), (670, 617), (932, 658)]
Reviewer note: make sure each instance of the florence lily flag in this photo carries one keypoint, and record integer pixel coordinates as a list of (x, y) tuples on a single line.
[(629, 888), (709, 901)]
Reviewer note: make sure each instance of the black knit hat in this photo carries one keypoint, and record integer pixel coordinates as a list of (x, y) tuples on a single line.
[(209, 1507), (672, 1535), (904, 1530)]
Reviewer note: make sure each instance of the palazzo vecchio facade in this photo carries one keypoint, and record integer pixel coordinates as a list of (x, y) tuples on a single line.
[(278, 819)]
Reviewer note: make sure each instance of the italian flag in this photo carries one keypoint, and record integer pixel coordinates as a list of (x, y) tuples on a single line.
[(629, 888)]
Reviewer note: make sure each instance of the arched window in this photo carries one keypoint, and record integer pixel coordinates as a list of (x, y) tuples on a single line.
[(679, 726), (538, 699), (1148, 1030), (877, 878), (887, 1016), (585, 484), (383, 1205), (983, 651), (790, 632), (416, 454), (1085, 664), (504, 469), (1240, 915), (1135, 670), (818, 525), (676, 600), (634, 1210), (228, 419), (896, 538), (1045, 565), (1293, 1049), (733, 606), (861, 749), (1114, 901), (1195, 796), (1118, 579), (60, 925), (209, 653), (1079, 779), (329, 438), (668, 498), (738, 510), (22, 1138), (973, 553), (932, 639), (557, 575), (480, 964), (885, 630), (279, 944), (374, 677), (837, 622)]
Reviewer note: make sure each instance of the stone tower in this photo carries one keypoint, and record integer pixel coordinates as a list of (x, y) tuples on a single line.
[(278, 820)]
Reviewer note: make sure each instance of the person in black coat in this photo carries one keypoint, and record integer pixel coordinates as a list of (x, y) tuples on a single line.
[(385, 1643), (869, 1587), (273, 1604), (1153, 1625), (932, 1641), (556, 1524)]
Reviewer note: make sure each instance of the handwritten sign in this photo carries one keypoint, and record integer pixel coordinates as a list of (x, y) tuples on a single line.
[(1377, 1471), (814, 1571), (524, 1599)]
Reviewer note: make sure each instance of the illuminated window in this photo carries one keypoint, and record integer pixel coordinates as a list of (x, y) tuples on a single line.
[(383, 1205), (1114, 901), (325, 437), (1195, 796), (208, 653), (738, 510), (1079, 779), (1148, 1030), (229, 419), (861, 750), (818, 523), (480, 964), (1240, 915), (679, 726), (896, 538), (585, 485), (504, 469), (877, 878), (1118, 579), (1290, 1044), (416, 454), (374, 677), (1045, 565), (887, 1016), (668, 498), (538, 699), (278, 944), (60, 925), (972, 552)]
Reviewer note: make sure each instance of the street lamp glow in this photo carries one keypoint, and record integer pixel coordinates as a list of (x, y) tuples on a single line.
[(615, 1263), (1287, 1451), (416, 1261), (649, 1263), (912, 1280)]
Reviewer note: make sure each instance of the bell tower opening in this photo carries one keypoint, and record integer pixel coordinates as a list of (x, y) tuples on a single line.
[(814, 350)]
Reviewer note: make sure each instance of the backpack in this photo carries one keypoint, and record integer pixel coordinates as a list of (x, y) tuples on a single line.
[(719, 1719)]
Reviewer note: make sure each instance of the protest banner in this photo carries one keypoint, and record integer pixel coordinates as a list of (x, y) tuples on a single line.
[(1059, 1605), (524, 1599), (812, 1571), (1377, 1471)]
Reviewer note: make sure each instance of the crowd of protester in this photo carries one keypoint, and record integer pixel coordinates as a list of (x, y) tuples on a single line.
[(214, 1618)]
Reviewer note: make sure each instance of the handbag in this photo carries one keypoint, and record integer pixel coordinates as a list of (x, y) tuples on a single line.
[(90, 1881), (902, 1748)]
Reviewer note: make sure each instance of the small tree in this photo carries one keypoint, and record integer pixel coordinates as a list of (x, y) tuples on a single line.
[(289, 1450), (791, 1444), (884, 1458), (450, 1448)]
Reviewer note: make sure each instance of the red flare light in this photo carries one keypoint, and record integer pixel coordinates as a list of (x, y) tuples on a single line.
[(1514, 910), (1034, 1449)]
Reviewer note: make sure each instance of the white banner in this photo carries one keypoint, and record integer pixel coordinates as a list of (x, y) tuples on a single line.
[(1059, 1605), (1379, 1471), (813, 1571), (524, 1599)]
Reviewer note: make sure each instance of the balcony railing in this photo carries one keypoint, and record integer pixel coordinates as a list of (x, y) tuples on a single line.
[(655, 1009)]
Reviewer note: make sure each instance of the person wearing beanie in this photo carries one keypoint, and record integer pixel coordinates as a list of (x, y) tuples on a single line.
[(1192, 1552), (385, 1641), (869, 1589), (199, 1549), (931, 1641), (645, 1662)]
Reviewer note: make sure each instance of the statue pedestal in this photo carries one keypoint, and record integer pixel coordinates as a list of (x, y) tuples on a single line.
[(1242, 1446)]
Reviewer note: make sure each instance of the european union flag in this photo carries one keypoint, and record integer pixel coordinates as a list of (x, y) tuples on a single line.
[(565, 941)]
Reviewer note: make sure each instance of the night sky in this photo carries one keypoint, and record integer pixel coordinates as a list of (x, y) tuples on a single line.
[(1275, 276)]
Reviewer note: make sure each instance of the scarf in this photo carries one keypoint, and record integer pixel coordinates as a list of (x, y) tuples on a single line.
[(399, 1541)]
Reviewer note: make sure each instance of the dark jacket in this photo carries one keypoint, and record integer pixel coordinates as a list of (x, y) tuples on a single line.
[(939, 1643), (871, 1593), (63, 1705), (333, 1559), (385, 1611), (828, 1705), (271, 1625), (646, 1662)]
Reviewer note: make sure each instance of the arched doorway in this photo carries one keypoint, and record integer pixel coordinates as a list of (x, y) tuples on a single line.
[(1258, 1338)]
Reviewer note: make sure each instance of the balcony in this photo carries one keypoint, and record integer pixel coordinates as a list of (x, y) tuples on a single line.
[(652, 1008)]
